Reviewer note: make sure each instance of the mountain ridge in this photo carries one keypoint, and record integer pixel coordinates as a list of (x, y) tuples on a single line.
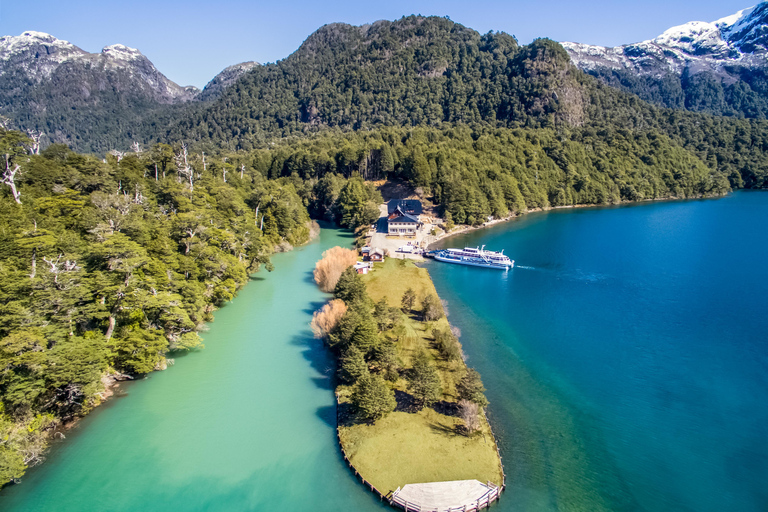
[(719, 67)]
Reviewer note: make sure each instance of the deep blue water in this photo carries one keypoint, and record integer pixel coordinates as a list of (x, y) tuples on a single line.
[(626, 355)]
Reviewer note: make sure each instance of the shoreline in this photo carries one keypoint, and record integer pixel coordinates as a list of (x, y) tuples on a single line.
[(465, 228), (112, 379)]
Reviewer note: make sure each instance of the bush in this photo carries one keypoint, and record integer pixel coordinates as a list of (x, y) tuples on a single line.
[(330, 267), (327, 318)]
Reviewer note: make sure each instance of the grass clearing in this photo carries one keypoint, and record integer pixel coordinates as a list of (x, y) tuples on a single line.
[(406, 448)]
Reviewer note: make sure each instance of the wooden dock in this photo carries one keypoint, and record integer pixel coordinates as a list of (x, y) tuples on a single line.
[(457, 496)]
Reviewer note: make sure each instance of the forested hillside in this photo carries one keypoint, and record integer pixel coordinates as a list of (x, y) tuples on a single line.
[(476, 174), (111, 267), (89, 101), (744, 97), (432, 72)]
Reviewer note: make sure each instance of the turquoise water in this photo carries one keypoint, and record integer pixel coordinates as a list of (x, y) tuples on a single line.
[(625, 358), (248, 423), (626, 355)]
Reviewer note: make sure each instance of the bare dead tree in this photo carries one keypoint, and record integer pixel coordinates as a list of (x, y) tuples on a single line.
[(9, 178), (242, 170), (205, 166), (58, 267), (5, 123), (470, 415), (138, 197), (136, 148), (224, 173), (184, 169), (35, 136), (117, 154), (113, 208)]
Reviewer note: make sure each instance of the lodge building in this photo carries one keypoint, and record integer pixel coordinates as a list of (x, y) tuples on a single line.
[(403, 217)]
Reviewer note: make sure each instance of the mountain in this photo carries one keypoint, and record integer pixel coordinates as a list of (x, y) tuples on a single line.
[(227, 77), (416, 70), (720, 67), (91, 101)]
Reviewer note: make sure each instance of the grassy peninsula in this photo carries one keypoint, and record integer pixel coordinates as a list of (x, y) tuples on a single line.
[(421, 440)]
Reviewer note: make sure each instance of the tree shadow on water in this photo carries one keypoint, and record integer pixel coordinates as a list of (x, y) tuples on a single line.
[(314, 306), (319, 357), (309, 277)]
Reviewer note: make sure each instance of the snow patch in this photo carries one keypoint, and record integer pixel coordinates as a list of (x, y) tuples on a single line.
[(122, 52), (697, 44)]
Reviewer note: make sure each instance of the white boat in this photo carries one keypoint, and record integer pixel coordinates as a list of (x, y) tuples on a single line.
[(476, 257)]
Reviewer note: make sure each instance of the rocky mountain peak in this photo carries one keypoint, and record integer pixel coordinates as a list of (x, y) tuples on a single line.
[(122, 52), (738, 39)]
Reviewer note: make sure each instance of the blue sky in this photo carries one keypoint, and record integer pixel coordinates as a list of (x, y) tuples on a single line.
[(191, 41)]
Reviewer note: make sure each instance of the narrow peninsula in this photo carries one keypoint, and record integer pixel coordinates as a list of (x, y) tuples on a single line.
[(411, 419)]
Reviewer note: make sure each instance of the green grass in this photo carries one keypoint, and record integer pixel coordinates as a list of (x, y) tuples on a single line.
[(393, 277), (405, 448), (425, 446)]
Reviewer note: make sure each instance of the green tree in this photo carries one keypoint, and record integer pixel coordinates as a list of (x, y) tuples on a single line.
[(354, 205), (408, 300), (423, 380), (384, 359), (385, 315), (12, 465), (447, 344), (431, 309), (471, 388), (350, 288), (352, 365), (372, 398)]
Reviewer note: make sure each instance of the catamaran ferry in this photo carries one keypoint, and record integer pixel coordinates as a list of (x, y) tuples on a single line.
[(477, 257)]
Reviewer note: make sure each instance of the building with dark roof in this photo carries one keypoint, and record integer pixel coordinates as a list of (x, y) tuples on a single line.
[(408, 206), (401, 223)]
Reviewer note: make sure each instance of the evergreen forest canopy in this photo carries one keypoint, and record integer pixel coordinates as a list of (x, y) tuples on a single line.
[(110, 265), (744, 94)]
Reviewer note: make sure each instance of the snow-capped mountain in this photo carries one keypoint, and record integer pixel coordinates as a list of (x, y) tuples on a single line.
[(737, 40), (39, 56)]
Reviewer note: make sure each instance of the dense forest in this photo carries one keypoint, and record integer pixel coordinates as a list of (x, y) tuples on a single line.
[(744, 94), (109, 267)]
